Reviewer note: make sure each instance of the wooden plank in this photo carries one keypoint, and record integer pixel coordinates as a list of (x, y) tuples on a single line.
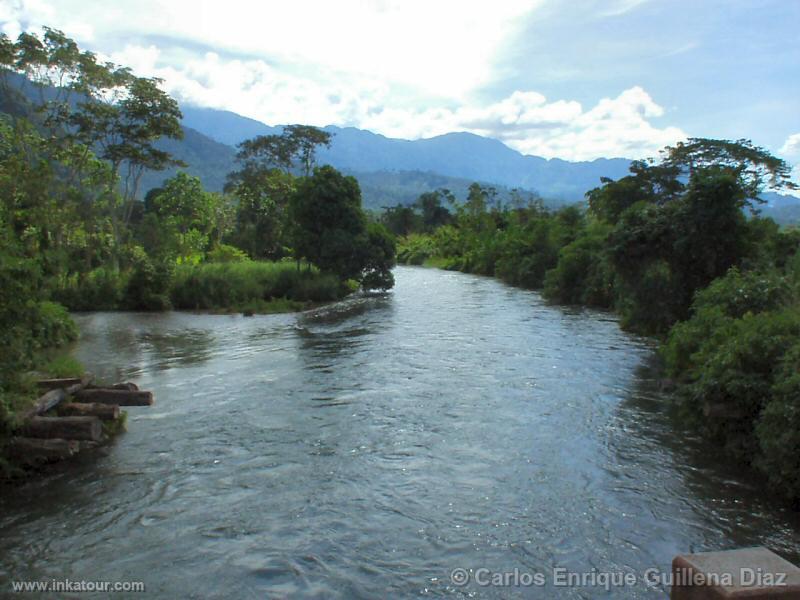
[(118, 397), (68, 428)]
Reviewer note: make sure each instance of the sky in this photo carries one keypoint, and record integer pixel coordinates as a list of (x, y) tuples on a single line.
[(573, 79)]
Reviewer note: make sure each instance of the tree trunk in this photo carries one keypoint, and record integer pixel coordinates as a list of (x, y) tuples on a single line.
[(68, 428), (114, 396), (104, 412)]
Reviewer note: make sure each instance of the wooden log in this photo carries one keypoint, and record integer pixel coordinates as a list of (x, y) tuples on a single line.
[(54, 397), (46, 402), (104, 412), (30, 451), (54, 384), (118, 397), (68, 428), (126, 385), (122, 385)]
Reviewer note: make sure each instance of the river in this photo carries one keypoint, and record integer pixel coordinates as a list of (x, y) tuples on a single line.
[(369, 448)]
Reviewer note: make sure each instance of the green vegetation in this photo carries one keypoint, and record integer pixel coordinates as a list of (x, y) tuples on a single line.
[(63, 365), (76, 137), (671, 249), (252, 286)]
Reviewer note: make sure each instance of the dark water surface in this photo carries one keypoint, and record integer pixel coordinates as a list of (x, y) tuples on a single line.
[(367, 449)]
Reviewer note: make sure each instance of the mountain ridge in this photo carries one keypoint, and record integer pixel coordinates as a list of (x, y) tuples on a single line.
[(455, 154)]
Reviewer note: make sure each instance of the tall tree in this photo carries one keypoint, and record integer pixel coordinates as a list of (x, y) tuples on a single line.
[(87, 107), (305, 139), (331, 230)]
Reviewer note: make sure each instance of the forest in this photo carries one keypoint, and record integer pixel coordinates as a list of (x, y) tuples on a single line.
[(76, 232), (677, 248)]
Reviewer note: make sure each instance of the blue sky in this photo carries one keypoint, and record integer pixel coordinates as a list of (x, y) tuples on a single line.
[(574, 79)]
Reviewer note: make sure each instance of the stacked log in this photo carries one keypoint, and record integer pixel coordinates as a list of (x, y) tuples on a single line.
[(78, 425), (67, 428), (57, 395)]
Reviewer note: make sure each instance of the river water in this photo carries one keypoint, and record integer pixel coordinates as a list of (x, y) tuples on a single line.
[(369, 448)]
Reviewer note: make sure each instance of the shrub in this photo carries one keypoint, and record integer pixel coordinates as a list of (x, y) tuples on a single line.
[(415, 249), (149, 285), (52, 326), (737, 293), (727, 298), (735, 369), (233, 285), (583, 274), (99, 289), (223, 253), (648, 306), (778, 429)]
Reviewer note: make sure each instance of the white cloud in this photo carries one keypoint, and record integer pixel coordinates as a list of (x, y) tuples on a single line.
[(529, 123), (444, 48), (406, 69), (791, 148), (790, 151), (525, 120)]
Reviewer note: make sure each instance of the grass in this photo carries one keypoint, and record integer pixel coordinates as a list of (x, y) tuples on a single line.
[(117, 426), (252, 286), (62, 366), (438, 262)]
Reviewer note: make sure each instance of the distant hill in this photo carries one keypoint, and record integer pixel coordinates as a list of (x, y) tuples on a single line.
[(224, 126), (459, 155), (393, 171), (206, 158), (782, 208), (380, 189)]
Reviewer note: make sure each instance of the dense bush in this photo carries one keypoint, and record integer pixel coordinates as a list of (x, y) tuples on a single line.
[(224, 285), (583, 274), (52, 326), (149, 284), (99, 289), (778, 428), (738, 359), (222, 253), (415, 249), (727, 298)]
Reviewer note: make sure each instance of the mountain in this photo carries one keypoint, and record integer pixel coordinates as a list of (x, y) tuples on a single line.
[(460, 155), (380, 189), (206, 158), (224, 126), (392, 171), (781, 208)]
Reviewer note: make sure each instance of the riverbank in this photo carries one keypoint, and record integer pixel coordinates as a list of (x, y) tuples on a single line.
[(246, 288), (732, 359), (54, 414), (466, 421)]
